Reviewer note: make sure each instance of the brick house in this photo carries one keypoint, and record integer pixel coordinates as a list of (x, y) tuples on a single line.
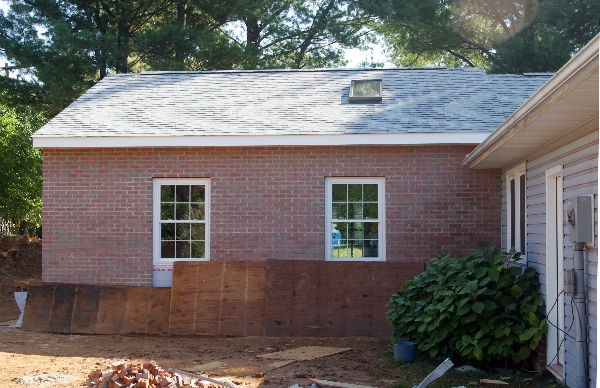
[(547, 152), (341, 165)]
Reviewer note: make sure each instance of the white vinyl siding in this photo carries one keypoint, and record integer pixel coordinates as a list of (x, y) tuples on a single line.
[(579, 177)]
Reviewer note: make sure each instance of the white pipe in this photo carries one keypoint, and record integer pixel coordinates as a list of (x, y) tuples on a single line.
[(580, 314)]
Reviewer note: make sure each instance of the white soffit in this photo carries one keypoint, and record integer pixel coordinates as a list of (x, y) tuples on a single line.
[(259, 140), (567, 101)]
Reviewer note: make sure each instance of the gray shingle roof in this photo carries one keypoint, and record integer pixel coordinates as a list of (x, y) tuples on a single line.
[(292, 102)]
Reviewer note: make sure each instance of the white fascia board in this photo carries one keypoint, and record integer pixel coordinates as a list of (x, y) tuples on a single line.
[(259, 140)]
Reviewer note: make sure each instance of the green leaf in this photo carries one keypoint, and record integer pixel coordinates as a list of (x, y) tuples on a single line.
[(516, 291), (463, 309), (533, 320), (478, 307)]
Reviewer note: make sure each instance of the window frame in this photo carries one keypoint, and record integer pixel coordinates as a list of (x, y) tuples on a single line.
[(353, 98), (329, 182), (156, 240), (516, 209)]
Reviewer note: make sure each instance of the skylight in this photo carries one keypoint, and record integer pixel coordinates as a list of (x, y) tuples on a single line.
[(367, 90)]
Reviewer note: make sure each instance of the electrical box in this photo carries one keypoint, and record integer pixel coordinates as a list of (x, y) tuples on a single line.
[(569, 279), (582, 224)]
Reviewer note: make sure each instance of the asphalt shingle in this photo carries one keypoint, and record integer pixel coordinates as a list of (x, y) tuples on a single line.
[(292, 102)]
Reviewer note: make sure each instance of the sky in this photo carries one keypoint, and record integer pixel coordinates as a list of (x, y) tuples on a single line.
[(353, 56)]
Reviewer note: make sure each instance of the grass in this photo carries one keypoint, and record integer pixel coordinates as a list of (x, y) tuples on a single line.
[(411, 374)]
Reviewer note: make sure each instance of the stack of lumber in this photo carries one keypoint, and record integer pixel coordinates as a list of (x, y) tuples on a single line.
[(146, 375)]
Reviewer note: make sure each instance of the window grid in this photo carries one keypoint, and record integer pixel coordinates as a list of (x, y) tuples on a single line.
[(181, 214), (354, 219)]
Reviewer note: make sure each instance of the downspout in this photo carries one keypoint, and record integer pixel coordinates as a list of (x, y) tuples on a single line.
[(580, 310)]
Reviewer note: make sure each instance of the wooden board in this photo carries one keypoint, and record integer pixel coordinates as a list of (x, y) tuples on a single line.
[(38, 308), (217, 298), (325, 383), (70, 308), (304, 353)]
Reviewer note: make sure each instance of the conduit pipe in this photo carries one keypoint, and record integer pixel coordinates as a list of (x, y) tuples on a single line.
[(580, 314)]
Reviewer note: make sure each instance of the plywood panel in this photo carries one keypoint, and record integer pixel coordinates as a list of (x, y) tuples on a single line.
[(158, 319), (113, 302), (38, 308), (85, 309), (71, 308), (218, 298), (137, 310)]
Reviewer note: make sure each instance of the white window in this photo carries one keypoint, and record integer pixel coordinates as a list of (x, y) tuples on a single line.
[(181, 213), (354, 219), (515, 200)]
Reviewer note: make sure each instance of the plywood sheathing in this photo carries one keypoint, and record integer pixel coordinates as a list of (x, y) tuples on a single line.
[(218, 298), (285, 297), (332, 299), (69, 308)]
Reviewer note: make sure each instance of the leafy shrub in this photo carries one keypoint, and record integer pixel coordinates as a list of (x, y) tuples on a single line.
[(482, 307)]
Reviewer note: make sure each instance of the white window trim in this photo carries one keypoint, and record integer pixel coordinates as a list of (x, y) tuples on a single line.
[(156, 183), (515, 173), (381, 211)]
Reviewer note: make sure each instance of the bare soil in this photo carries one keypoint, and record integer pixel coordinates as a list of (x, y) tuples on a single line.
[(369, 362)]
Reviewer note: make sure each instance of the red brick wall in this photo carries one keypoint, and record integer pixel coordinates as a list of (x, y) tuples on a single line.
[(267, 203)]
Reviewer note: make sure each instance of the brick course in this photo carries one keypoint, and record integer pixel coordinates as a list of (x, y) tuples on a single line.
[(267, 203)]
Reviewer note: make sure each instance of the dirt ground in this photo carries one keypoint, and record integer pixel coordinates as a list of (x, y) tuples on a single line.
[(368, 362)]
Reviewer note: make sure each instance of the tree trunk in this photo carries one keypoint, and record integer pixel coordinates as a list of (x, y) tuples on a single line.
[(182, 8)]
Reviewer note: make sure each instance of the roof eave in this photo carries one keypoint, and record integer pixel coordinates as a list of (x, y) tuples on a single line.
[(413, 138), (551, 91)]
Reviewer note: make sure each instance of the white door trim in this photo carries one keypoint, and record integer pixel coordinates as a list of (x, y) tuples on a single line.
[(555, 265)]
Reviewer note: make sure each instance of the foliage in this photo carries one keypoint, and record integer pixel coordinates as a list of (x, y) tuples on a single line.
[(63, 47), (482, 307), (505, 37), (21, 172)]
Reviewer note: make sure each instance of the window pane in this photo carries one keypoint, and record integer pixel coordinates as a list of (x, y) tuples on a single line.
[(355, 230), (198, 232), (197, 250), (522, 213), (365, 88), (167, 211), (513, 215), (167, 249), (182, 249), (370, 211), (342, 250), (167, 231), (197, 211), (167, 193), (342, 227), (197, 192), (370, 248), (338, 211), (182, 193), (339, 193), (355, 248), (336, 238), (355, 193), (182, 231), (370, 193), (355, 211), (182, 211), (371, 230)]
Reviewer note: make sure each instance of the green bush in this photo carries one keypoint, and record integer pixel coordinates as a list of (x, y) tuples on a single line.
[(482, 307)]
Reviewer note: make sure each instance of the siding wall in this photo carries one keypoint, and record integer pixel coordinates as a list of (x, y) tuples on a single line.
[(580, 177), (267, 203)]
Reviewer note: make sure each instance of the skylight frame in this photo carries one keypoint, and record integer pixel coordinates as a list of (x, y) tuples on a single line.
[(353, 98)]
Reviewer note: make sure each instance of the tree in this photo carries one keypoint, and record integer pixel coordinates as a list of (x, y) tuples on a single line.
[(66, 46), (503, 36), (21, 172)]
